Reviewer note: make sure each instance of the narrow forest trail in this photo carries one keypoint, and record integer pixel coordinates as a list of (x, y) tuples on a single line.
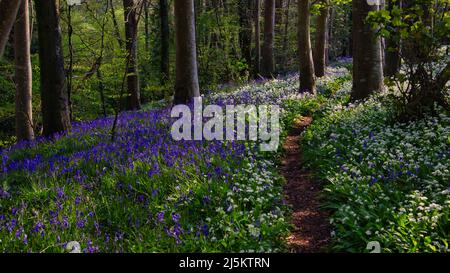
[(312, 229)]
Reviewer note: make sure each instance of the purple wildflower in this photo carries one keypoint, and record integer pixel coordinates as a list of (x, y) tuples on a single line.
[(176, 217), (160, 217)]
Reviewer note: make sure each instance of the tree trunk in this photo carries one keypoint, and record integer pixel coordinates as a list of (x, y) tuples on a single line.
[(146, 26), (116, 25), (349, 52), (165, 43), (278, 12), (392, 51), (268, 65), (186, 82), (330, 37), (286, 32), (8, 13), (367, 62), (257, 64), (69, 71), (131, 28), (278, 46), (54, 98), (307, 77), (245, 33), (321, 48), (23, 78)]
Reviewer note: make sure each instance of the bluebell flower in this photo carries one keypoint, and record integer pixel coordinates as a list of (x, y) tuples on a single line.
[(155, 193), (65, 222), (160, 217), (81, 223), (176, 217), (18, 233), (25, 239), (38, 227), (60, 193), (205, 230), (206, 200)]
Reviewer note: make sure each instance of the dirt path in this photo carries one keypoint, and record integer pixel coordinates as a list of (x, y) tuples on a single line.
[(312, 230)]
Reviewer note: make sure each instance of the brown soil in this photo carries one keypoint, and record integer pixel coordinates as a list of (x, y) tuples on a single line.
[(312, 229)]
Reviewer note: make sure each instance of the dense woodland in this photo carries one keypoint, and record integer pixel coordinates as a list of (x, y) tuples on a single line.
[(235, 41), (86, 89)]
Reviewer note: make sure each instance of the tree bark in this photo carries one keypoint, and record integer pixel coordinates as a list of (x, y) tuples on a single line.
[(54, 97), (131, 28), (268, 65), (278, 46), (307, 77), (321, 47), (257, 63), (116, 25), (69, 71), (330, 56), (186, 82), (392, 51), (146, 26), (278, 12), (8, 13), (23, 77), (348, 51), (286, 32), (367, 62), (165, 43), (245, 33)]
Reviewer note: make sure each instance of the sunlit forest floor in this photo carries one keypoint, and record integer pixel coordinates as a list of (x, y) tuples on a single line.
[(379, 180)]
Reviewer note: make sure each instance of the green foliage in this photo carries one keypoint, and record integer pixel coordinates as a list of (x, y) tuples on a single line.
[(421, 28), (385, 181), (7, 88), (219, 52), (295, 109), (340, 40)]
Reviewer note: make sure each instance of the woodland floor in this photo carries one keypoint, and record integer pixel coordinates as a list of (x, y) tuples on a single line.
[(312, 229)]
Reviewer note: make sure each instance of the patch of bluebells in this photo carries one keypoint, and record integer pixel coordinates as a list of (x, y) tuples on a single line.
[(144, 186)]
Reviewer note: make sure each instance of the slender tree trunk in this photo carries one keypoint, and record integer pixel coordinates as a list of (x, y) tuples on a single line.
[(131, 28), (8, 13), (286, 32), (278, 54), (31, 11), (268, 65), (186, 83), (101, 85), (392, 50), (257, 63), (165, 43), (245, 33), (307, 77), (278, 12), (321, 48), (23, 79), (54, 98), (70, 68), (146, 26), (350, 43), (367, 62), (330, 55), (116, 25)]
